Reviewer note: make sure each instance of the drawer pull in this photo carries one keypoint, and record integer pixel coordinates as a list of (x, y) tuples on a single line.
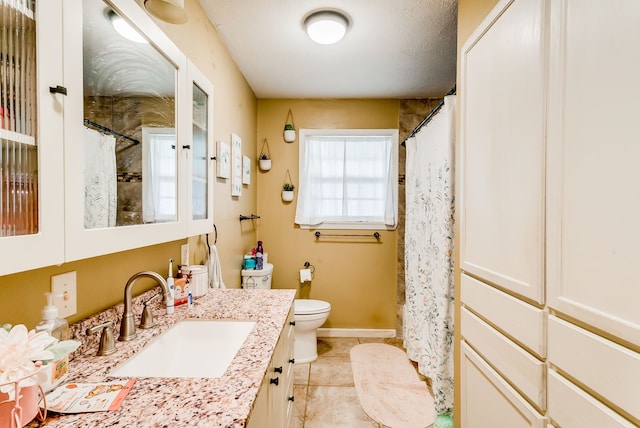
[(274, 380), (290, 398), (292, 361), (277, 369), (292, 323)]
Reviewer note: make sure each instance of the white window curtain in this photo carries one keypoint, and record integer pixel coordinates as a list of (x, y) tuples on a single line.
[(348, 178), (158, 175)]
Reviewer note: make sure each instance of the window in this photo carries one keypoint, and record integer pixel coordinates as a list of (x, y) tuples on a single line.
[(159, 175), (348, 179)]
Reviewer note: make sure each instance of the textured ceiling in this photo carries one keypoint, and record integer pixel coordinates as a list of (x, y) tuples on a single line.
[(393, 49)]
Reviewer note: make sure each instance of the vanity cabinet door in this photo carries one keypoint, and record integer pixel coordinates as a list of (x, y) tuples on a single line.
[(31, 157), (200, 154), (274, 404)]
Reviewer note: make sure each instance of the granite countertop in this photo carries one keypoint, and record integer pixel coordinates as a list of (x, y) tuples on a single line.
[(178, 402)]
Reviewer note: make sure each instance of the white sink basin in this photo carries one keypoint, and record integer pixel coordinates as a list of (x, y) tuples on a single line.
[(191, 349)]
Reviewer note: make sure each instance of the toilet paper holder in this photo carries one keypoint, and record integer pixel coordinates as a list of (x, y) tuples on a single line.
[(308, 265), (306, 274)]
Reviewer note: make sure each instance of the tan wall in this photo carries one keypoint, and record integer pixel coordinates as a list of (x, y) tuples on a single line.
[(470, 15), (358, 277), (234, 112), (101, 280)]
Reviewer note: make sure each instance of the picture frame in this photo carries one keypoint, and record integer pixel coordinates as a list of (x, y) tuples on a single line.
[(236, 165), (223, 157), (246, 170)]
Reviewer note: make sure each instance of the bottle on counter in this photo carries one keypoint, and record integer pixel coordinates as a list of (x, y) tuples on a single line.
[(171, 285), (259, 253), (51, 323)]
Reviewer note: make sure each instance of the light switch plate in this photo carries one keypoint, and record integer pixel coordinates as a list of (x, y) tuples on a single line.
[(184, 255), (65, 284)]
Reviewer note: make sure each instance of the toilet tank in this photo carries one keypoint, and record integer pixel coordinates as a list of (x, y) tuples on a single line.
[(253, 278)]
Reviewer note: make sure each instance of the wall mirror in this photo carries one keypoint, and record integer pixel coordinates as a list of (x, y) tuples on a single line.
[(129, 91), (125, 130)]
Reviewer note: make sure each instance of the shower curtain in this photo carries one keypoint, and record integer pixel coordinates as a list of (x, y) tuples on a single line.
[(429, 279), (100, 180)]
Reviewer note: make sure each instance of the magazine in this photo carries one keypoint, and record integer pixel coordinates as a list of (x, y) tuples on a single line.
[(88, 397)]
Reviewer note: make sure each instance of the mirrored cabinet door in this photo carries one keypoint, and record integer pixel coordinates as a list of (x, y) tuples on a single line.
[(201, 153), (31, 175), (125, 130)]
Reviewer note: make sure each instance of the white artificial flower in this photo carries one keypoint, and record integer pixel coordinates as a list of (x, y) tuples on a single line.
[(21, 353)]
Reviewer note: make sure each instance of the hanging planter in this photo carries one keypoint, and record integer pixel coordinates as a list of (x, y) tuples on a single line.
[(287, 189), (265, 157), (289, 129)]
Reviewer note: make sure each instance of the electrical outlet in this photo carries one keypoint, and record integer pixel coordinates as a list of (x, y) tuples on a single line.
[(184, 255), (65, 285)]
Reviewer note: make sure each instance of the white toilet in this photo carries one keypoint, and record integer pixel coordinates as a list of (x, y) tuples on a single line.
[(309, 314), (258, 279)]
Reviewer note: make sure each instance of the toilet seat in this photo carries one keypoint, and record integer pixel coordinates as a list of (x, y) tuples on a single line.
[(310, 307)]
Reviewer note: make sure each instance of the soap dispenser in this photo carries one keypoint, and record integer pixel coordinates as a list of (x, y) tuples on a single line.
[(56, 327)]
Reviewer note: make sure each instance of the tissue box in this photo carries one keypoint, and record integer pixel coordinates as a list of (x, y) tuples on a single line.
[(54, 373)]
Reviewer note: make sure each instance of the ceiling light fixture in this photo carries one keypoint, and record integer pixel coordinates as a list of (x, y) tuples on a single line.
[(326, 26), (124, 28), (171, 11)]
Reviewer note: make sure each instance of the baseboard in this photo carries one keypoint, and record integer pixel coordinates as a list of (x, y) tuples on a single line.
[(355, 332)]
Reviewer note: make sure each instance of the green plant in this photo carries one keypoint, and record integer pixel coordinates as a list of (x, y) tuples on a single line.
[(288, 187), (264, 156), (289, 127)]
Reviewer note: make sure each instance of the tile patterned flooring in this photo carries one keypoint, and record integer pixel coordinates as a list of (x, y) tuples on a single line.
[(325, 395)]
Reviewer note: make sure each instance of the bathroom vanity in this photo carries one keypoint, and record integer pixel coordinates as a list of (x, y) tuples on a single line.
[(256, 390)]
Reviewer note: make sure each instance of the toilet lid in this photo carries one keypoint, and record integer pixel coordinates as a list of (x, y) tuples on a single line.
[(310, 306)]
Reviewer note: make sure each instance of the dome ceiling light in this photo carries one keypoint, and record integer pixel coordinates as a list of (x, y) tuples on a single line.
[(326, 27), (171, 11)]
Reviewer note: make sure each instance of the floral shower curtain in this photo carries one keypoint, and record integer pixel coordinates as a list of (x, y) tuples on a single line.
[(429, 273)]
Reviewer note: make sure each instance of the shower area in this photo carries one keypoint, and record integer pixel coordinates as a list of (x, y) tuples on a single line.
[(426, 241)]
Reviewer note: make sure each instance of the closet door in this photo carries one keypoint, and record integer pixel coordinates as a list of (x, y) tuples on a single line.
[(502, 158), (594, 179)]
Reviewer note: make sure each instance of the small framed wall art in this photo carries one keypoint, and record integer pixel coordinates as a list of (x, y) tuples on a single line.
[(224, 160), (246, 170), (236, 165)]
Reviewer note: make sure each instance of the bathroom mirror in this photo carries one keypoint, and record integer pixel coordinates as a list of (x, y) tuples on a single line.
[(126, 128), (129, 137)]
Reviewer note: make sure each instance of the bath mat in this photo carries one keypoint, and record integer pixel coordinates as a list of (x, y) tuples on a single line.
[(389, 388)]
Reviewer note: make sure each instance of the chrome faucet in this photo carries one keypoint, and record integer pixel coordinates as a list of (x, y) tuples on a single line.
[(128, 324)]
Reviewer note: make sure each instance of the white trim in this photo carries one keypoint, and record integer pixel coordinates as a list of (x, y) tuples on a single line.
[(355, 332)]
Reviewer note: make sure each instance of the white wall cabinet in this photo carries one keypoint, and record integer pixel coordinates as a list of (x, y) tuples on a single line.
[(549, 215), (57, 143), (274, 404), (200, 154), (31, 211)]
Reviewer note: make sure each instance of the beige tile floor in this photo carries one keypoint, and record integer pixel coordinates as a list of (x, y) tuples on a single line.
[(325, 395)]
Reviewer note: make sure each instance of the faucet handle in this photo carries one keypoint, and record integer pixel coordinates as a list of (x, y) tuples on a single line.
[(107, 342), (147, 321)]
